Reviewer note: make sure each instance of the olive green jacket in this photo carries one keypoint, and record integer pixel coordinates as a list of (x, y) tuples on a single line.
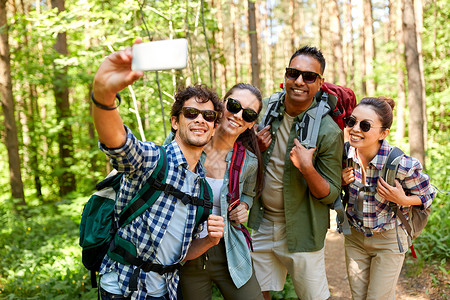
[(307, 218)]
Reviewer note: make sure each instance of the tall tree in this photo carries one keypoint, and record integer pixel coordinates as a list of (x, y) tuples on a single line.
[(30, 111), (253, 44), (293, 21), (415, 99), (348, 43), (321, 19), (61, 90), (222, 63), (7, 99), (336, 37), (267, 49), (401, 95), (418, 13), (236, 51), (362, 44), (369, 47)]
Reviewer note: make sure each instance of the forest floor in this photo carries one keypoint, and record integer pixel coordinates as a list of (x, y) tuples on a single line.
[(428, 282)]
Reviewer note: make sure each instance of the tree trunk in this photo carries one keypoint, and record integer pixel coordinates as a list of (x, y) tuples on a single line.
[(336, 37), (222, 62), (320, 23), (362, 41), (215, 62), (7, 99), (30, 124), (190, 76), (369, 47), (235, 42), (206, 42), (61, 90), (415, 99), (350, 53), (293, 21), (253, 44), (247, 45), (267, 51), (418, 13), (401, 95)]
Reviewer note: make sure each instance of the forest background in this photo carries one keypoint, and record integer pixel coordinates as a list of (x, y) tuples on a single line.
[(50, 50)]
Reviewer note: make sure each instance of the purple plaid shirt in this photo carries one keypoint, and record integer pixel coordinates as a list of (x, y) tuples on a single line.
[(138, 160), (377, 214)]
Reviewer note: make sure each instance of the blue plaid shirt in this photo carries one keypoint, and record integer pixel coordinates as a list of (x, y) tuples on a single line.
[(377, 214), (138, 160)]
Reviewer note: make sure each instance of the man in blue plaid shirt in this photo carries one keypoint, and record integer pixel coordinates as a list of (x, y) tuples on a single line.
[(163, 234)]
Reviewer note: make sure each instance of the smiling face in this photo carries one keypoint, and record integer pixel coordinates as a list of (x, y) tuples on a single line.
[(234, 124), (299, 95), (369, 140), (193, 132)]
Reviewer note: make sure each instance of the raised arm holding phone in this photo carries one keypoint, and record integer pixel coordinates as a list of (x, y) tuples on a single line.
[(164, 233)]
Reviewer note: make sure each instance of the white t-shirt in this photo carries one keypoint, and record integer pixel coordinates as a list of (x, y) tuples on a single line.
[(216, 186)]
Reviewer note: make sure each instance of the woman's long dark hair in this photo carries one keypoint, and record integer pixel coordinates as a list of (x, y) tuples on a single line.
[(248, 137)]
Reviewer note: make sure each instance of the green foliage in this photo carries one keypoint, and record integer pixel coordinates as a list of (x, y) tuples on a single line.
[(38, 245), (288, 292), (41, 258), (433, 243)]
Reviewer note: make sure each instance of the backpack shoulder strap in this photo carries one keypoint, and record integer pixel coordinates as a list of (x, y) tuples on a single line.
[(272, 109), (233, 196), (237, 161), (349, 162), (389, 172), (148, 194), (112, 180), (203, 211), (309, 126), (390, 168)]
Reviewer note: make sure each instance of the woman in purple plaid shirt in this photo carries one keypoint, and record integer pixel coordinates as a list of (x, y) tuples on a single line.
[(372, 253)]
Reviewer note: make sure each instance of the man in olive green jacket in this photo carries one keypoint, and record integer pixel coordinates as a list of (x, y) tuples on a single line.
[(291, 218)]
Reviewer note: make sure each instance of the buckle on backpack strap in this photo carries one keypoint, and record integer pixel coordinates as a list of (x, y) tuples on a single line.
[(201, 202), (186, 199), (160, 269), (158, 185)]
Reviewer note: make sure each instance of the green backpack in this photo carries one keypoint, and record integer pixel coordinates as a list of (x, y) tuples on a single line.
[(98, 228)]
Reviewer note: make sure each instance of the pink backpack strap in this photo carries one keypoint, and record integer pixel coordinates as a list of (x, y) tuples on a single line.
[(233, 196), (237, 162)]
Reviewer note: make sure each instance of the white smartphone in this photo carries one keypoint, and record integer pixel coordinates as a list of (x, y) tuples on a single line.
[(160, 55)]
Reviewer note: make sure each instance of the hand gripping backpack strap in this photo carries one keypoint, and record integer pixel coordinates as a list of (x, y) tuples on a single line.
[(389, 172), (233, 196)]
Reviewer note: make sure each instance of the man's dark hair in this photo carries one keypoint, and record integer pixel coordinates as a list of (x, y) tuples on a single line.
[(313, 52), (202, 94)]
